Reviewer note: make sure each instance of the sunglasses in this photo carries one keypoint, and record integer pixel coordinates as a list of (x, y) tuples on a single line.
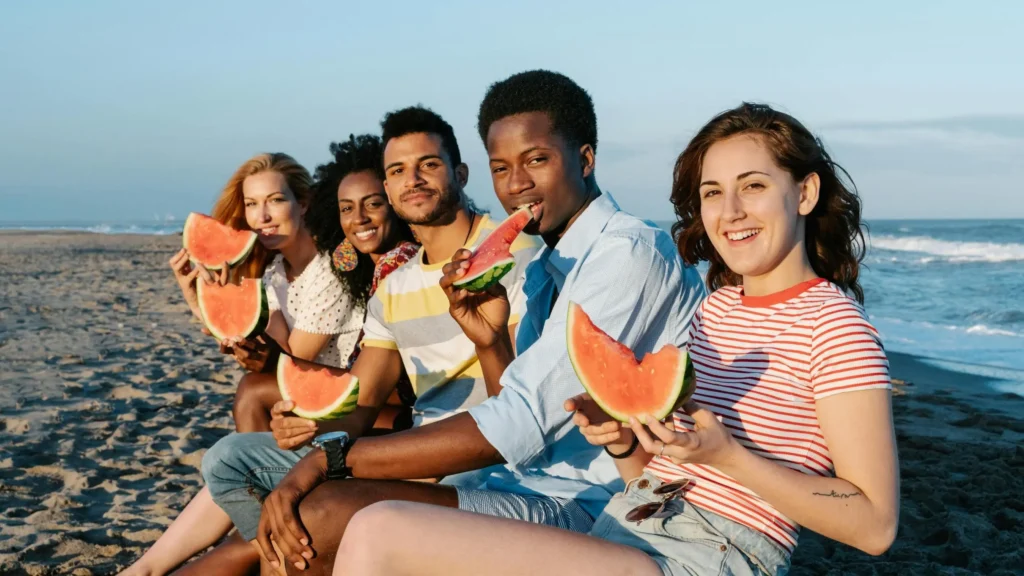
[(668, 492)]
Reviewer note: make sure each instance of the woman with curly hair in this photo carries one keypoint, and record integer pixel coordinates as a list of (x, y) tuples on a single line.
[(349, 239), (790, 424)]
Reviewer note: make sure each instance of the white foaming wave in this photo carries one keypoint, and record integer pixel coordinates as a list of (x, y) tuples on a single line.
[(946, 251)]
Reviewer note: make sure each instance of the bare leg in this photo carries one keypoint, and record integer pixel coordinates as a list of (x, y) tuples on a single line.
[(235, 557), (256, 395), (200, 525), (429, 540), (325, 512)]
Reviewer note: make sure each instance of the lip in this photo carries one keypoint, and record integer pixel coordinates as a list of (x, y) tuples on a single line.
[(268, 231), (744, 235), (417, 196), (364, 235)]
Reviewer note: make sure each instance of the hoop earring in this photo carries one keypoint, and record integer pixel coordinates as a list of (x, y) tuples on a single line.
[(345, 257)]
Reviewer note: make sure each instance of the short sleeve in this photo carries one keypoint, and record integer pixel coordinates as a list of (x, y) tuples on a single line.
[(846, 351), (322, 305), (376, 333)]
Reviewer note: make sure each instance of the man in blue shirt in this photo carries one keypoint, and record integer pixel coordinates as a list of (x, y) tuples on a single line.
[(540, 131)]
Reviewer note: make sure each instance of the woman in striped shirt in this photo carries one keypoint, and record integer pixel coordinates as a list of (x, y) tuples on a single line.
[(790, 424)]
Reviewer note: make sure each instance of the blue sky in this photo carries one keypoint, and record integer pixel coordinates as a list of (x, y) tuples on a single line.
[(126, 110)]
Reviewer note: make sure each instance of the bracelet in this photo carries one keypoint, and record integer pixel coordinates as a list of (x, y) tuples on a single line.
[(627, 453)]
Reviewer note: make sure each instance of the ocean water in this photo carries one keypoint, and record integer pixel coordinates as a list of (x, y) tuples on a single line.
[(950, 291)]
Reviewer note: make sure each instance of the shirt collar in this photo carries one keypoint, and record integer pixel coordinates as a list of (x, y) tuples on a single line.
[(574, 244)]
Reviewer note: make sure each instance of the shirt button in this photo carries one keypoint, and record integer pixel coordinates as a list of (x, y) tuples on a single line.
[(643, 484), (723, 547)]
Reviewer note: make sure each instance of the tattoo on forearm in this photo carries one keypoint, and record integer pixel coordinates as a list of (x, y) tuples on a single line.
[(834, 494)]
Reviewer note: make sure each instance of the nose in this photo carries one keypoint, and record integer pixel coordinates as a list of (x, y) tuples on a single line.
[(264, 213), (519, 181), (360, 216), (414, 179), (733, 208)]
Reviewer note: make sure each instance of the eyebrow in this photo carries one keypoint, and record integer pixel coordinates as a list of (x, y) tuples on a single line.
[(523, 153), (418, 160), (740, 177)]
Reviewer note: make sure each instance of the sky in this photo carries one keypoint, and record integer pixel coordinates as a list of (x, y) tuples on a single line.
[(138, 110)]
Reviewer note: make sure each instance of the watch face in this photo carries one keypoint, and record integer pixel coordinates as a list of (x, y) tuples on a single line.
[(329, 436)]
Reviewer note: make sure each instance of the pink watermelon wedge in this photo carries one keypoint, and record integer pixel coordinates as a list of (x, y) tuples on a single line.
[(233, 310), (212, 244), (319, 392), (619, 384), (492, 259)]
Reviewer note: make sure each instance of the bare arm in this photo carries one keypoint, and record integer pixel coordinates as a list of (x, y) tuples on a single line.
[(860, 506), (495, 359)]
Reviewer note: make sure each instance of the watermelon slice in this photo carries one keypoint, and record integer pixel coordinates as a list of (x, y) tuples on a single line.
[(319, 392), (211, 243), (619, 384), (233, 310), (492, 259)]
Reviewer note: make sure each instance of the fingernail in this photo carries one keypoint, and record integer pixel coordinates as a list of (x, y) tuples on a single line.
[(304, 542), (300, 565), (307, 555)]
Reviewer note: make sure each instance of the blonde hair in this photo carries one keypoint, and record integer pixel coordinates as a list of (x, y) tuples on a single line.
[(230, 206)]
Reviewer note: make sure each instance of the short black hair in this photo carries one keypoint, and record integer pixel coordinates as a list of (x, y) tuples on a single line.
[(357, 154), (567, 105), (419, 119)]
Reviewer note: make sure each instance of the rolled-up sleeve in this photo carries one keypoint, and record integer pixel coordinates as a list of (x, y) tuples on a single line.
[(622, 285)]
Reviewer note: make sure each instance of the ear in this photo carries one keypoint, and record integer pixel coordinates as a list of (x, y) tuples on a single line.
[(588, 160), (462, 174), (809, 190)]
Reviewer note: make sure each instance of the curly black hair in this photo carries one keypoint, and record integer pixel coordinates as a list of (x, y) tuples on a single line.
[(419, 119), (361, 153), (567, 105)]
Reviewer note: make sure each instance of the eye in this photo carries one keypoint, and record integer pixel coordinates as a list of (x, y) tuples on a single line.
[(249, 203), (754, 186), (344, 209), (374, 204), (709, 192), (430, 164), (537, 160), (395, 172), (498, 170)]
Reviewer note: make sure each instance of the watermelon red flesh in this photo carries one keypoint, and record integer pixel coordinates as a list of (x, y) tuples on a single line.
[(233, 310), (212, 244), (618, 383), (319, 392), (492, 259)]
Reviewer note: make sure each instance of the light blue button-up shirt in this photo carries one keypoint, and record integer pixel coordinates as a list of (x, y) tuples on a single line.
[(628, 277)]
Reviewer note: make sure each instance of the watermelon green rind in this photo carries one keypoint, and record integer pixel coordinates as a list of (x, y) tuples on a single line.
[(682, 382), (259, 323), (487, 278), (345, 404), (187, 240)]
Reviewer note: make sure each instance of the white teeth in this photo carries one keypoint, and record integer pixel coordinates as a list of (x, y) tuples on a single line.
[(366, 234), (741, 235), (268, 231), (527, 204)]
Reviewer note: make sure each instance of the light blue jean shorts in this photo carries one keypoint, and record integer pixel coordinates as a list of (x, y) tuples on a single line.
[(690, 542)]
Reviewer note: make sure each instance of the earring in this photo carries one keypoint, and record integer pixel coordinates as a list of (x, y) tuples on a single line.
[(345, 257)]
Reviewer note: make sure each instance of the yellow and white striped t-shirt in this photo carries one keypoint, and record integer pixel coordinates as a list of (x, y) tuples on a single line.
[(409, 312)]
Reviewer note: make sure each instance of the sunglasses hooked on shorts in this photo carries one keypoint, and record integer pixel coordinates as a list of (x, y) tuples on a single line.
[(668, 492)]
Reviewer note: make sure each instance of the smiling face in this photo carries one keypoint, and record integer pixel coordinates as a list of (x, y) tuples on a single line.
[(533, 165), (365, 213), (420, 181), (753, 210), (271, 209)]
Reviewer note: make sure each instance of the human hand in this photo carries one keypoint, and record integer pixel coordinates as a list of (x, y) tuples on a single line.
[(290, 431), (709, 443), (279, 517), (483, 316), (598, 428)]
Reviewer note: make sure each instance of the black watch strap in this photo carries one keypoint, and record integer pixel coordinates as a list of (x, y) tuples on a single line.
[(627, 453), (337, 452)]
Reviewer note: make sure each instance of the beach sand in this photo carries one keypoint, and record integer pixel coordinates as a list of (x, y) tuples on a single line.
[(109, 396)]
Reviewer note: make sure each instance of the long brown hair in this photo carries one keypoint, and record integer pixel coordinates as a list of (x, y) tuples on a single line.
[(230, 206), (834, 239)]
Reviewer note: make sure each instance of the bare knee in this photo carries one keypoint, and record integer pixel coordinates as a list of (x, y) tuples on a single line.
[(362, 547), (253, 400)]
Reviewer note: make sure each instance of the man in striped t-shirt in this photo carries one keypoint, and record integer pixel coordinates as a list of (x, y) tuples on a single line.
[(409, 313)]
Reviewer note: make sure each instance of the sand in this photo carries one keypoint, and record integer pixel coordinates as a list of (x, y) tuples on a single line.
[(109, 396)]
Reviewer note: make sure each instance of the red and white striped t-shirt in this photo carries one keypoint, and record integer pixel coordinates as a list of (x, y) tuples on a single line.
[(761, 363)]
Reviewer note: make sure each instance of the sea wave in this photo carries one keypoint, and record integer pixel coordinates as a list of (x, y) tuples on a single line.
[(948, 251), (148, 230)]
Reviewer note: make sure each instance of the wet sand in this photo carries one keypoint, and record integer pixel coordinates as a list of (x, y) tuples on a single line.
[(109, 396)]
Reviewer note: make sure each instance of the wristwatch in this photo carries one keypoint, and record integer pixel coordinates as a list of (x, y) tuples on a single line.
[(336, 446)]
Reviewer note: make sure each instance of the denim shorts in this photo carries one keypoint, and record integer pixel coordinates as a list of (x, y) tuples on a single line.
[(690, 542)]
